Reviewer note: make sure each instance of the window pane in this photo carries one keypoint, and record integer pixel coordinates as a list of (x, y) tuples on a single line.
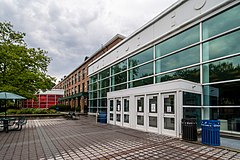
[(126, 118), (103, 102), (191, 99), (126, 105), (119, 67), (181, 59), (152, 121), (142, 71), (103, 92), (169, 123), (118, 117), (223, 46), (119, 78), (169, 104), (226, 69), (93, 86), (190, 74), (224, 94), (118, 105), (228, 117), (193, 113), (140, 104), (111, 116), (153, 104), (140, 120), (104, 83), (93, 78), (140, 58), (111, 105), (95, 94), (179, 41), (222, 22), (119, 87), (104, 73), (141, 82)]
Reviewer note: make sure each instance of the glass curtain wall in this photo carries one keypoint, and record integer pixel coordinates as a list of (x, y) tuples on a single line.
[(221, 68), (213, 56)]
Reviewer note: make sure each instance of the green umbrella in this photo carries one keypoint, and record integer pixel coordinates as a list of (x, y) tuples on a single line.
[(8, 95)]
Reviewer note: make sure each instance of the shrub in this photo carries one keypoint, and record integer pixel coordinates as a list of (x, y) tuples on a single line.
[(61, 107), (12, 111), (31, 111)]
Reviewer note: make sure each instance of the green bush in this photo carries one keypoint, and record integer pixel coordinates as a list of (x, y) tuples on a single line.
[(31, 111), (61, 107), (11, 111)]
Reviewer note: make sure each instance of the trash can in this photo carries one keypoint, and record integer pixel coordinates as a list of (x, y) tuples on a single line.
[(211, 132), (102, 117), (189, 129)]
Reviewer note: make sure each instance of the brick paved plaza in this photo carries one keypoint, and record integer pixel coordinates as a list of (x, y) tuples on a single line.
[(84, 139)]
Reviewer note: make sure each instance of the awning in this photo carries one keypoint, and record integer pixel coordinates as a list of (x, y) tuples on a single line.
[(84, 94)]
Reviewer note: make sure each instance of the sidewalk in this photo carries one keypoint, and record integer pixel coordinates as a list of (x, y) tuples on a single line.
[(84, 139)]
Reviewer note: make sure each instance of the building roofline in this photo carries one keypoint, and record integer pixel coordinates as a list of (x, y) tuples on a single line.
[(159, 16), (95, 53)]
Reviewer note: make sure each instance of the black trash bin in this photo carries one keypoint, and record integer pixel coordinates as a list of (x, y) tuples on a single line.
[(189, 129)]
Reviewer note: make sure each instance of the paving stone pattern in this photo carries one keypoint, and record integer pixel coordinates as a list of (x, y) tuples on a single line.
[(84, 139)]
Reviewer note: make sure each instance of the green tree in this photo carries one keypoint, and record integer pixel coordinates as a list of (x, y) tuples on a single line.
[(23, 70)]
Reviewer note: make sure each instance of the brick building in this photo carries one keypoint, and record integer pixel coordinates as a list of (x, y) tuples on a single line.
[(75, 85)]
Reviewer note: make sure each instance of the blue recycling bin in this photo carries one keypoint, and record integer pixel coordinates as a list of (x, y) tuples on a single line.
[(102, 117), (211, 132)]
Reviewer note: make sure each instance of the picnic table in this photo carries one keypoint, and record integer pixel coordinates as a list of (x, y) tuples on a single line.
[(12, 123)]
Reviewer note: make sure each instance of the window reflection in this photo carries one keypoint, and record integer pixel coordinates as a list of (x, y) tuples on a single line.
[(229, 118), (179, 41), (224, 94), (223, 46), (226, 69), (119, 87), (140, 58), (222, 22), (141, 71), (119, 78), (104, 73), (191, 74), (191, 99), (111, 105), (141, 82), (184, 58), (119, 67)]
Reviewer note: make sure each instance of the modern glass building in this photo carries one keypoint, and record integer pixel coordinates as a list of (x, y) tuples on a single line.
[(185, 63)]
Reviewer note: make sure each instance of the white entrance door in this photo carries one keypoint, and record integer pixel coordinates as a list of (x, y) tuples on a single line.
[(169, 114), (140, 109), (152, 113), (118, 112), (126, 112), (112, 115)]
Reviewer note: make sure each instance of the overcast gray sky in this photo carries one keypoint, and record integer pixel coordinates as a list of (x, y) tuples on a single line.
[(72, 29)]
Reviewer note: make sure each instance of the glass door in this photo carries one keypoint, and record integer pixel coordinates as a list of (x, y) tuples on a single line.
[(169, 114), (118, 112), (111, 112), (126, 111), (152, 119), (140, 112)]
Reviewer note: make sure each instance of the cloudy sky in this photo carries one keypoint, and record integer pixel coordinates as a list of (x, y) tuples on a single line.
[(72, 29)]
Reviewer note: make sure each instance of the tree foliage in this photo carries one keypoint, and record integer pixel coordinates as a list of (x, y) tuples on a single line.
[(23, 70)]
